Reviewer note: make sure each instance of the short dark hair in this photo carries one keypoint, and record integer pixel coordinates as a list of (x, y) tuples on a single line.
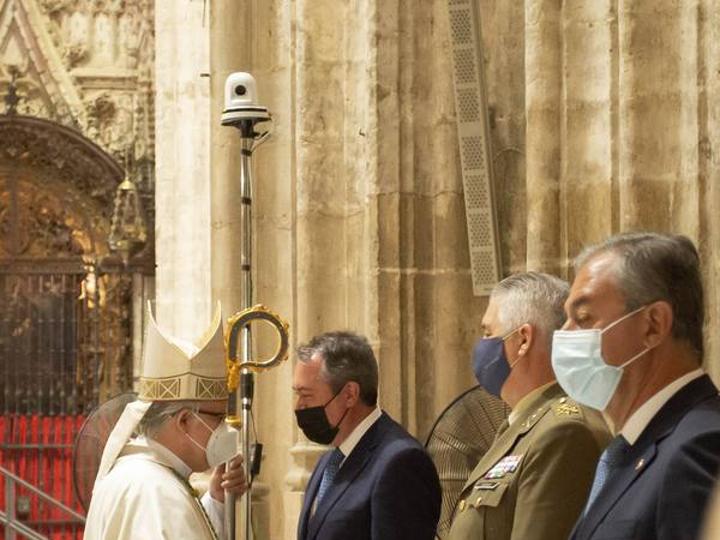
[(346, 357), (654, 267)]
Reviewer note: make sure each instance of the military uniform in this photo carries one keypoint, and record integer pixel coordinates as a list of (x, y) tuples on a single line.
[(534, 480)]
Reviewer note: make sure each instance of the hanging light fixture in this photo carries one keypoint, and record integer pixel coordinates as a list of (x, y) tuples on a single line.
[(128, 231)]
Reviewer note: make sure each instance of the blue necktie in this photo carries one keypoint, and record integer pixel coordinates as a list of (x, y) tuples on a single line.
[(609, 460), (331, 469)]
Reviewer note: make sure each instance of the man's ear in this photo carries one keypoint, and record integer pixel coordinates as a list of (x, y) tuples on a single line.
[(659, 323), (527, 337), (351, 393), (181, 418)]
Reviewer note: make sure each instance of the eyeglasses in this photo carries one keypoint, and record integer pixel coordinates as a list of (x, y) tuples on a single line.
[(219, 416)]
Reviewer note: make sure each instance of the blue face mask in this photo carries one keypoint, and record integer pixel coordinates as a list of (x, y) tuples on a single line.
[(579, 366), (490, 365)]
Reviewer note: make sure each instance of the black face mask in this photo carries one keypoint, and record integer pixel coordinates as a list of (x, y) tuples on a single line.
[(315, 425)]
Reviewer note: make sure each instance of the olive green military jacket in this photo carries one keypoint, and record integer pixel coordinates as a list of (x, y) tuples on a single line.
[(534, 480)]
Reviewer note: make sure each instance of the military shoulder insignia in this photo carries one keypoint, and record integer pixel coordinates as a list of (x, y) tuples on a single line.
[(565, 408), (506, 465)]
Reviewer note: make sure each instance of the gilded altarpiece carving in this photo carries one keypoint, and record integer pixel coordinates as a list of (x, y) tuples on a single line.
[(77, 76)]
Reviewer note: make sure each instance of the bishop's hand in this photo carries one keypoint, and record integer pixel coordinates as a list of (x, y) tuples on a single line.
[(233, 480)]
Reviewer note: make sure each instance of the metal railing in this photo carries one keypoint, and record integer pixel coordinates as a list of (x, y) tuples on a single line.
[(8, 516)]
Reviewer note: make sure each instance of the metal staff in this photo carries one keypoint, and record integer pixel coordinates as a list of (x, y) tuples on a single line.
[(242, 112)]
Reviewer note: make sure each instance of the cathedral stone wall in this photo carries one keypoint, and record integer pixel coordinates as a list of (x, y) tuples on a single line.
[(605, 117)]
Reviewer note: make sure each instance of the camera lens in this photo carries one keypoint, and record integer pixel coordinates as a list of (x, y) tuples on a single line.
[(240, 90)]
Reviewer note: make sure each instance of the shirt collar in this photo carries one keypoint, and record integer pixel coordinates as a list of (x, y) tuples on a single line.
[(640, 419), (349, 444)]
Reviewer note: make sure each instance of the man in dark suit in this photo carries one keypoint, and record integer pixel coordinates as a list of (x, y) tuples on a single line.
[(378, 482), (633, 347)]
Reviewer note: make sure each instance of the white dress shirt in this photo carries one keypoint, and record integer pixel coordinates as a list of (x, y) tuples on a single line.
[(349, 444), (640, 419)]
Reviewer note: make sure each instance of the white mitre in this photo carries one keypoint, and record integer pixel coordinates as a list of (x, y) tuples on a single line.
[(171, 370)]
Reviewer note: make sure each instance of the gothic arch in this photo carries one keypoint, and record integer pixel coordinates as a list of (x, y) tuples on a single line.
[(53, 181)]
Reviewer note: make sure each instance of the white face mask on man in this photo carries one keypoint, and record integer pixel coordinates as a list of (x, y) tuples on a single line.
[(580, 368), (222, 444)]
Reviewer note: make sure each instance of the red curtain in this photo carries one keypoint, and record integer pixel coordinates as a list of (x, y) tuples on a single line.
[(38, 449)]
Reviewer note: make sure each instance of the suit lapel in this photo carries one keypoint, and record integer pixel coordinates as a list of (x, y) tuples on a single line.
[(310, 493), (644, 450), (351, 468), (634, 464), (524, 423)]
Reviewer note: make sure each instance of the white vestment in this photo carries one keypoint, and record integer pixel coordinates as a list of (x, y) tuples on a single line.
[(146, 496)]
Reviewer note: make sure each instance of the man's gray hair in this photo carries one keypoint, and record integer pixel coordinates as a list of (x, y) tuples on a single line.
[(159, 412), (652, 267), (534, 298), (346, 357)]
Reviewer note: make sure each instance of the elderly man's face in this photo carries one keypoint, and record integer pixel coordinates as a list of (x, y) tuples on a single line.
[(595, 301), (199, 426), (311, 390)]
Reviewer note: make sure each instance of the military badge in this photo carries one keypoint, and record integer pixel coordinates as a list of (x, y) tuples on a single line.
[(484, 485), (506, 465), (563, 408)]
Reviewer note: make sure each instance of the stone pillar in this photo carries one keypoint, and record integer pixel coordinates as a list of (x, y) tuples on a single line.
[(230, 51), (709, 173), (587, 130), (256, 37), (650, 104), (182, 196), (503, 32), (543, 108), (320, 270)]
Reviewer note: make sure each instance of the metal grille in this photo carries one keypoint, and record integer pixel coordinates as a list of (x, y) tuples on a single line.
[(64, 346), (43, 327), (474, 138)]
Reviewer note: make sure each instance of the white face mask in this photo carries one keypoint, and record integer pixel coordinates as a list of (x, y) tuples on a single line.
[(580, 368), (222, 444)]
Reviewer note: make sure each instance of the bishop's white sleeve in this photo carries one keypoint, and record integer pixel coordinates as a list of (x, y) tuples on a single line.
[(216, 512)]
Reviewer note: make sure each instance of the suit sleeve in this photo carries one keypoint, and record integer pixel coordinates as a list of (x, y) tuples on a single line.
[(687, 486), (555, 482), (406, 498)]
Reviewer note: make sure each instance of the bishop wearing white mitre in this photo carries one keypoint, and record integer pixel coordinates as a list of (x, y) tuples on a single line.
[(176, 427)]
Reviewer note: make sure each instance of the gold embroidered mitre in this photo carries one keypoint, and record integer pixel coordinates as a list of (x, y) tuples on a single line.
[(176, 370)]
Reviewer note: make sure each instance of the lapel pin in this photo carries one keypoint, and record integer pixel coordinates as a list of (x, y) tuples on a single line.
[(639, 464)]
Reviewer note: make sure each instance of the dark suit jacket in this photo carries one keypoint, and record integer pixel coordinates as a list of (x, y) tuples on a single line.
[(662, 487), (386, 489)]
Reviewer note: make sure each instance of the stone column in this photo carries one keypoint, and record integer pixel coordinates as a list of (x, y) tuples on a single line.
[(319, 247), (503, 32), (587, 131), (230, 51), (709, 173), (182, 195), (650, 111), (232, 39), (543, 109)]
